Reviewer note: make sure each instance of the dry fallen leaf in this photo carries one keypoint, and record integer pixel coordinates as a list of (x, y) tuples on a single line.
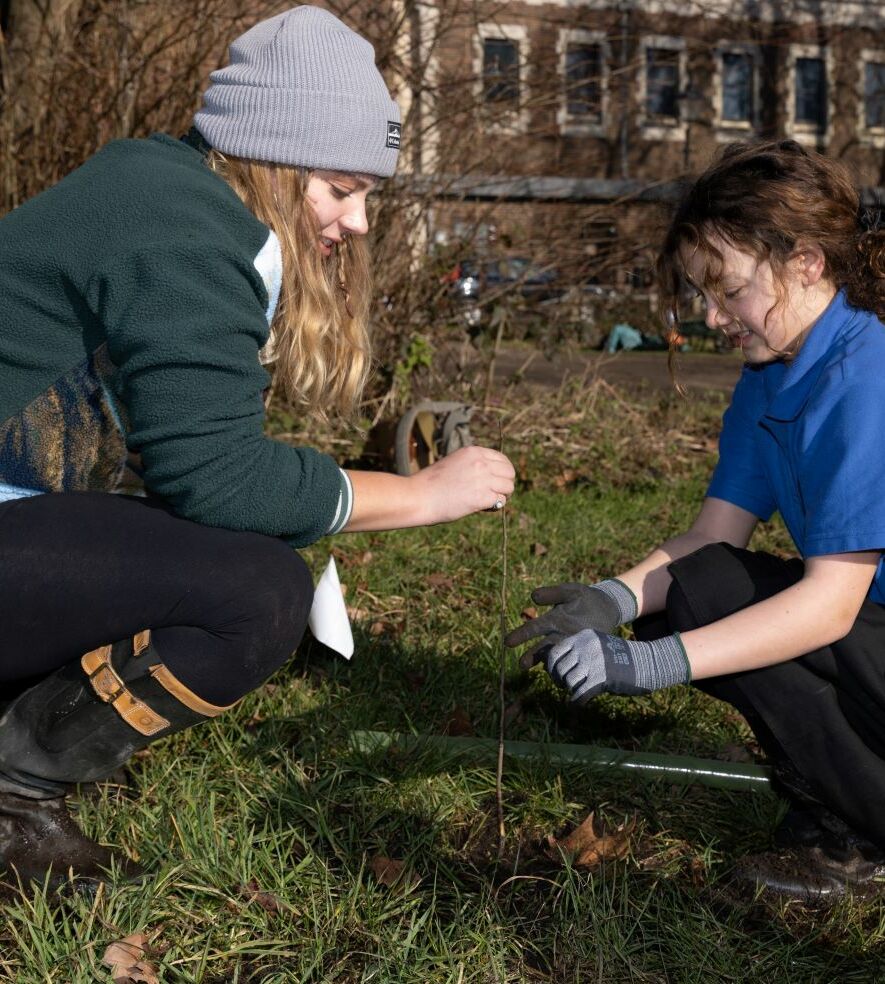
[(267, 900), (733, 752), (459, 723), (538, 549), (392, 873), (697, 871), (513, 712), (352, 559), (564, 478), (440, 580), (386, 870), (588, 846), (126, 960)]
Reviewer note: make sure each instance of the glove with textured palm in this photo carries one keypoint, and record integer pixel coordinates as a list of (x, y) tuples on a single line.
[(590, 663), (602, 606)]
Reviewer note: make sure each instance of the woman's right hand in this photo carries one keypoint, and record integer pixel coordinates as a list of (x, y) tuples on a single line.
[(467, 481)]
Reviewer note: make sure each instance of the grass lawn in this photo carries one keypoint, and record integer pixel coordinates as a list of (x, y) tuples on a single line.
[(278, 853)]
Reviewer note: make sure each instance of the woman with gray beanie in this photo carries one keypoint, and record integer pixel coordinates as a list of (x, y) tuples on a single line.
[(148, 300)]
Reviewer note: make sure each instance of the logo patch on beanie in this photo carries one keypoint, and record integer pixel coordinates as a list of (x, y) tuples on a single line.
[(393, 134)]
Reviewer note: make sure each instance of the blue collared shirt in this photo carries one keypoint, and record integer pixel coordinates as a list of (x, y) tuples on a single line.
[(807, 439)]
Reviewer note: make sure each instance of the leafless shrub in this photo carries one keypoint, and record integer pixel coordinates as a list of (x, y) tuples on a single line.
[(75, 74), (78, 73)]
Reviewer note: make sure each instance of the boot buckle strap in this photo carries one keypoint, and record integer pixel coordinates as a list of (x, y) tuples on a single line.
[(110, 688)]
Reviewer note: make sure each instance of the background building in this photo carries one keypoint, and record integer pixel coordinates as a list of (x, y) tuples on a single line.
[(553, 133), (558, 128)]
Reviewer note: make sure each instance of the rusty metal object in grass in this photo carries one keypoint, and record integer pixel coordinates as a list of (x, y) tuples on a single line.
[(683, 769), (429, 431)]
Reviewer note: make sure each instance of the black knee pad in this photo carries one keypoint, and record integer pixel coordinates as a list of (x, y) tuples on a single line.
[(720, 579)]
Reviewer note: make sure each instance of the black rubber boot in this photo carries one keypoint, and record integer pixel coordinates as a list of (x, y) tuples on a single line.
[(802, 825), (77, 725), (817, 856), (86, 719)]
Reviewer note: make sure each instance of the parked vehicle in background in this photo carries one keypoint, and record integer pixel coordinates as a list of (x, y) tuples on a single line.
[(535, 300), (491, 278), (478, 284)]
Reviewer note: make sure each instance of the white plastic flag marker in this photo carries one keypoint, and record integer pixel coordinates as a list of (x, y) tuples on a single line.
[(328, 619)]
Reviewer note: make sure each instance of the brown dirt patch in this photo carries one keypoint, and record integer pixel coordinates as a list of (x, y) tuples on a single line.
[(636, 370)]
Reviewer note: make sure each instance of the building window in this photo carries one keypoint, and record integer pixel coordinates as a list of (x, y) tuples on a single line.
[(874, 95), (738, 84), (583, 82), (809, 95), (810, 106), (736, 89), (500, 70), (499, 55), (662, 84)]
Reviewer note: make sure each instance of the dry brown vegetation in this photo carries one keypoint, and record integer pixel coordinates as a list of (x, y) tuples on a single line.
[(78, 73), (75, 74)]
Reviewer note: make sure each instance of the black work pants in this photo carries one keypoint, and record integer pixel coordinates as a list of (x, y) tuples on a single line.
[(819, 717), (83, 569)]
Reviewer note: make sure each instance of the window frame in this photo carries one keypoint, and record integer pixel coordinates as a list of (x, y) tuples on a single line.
[(654, 128), (577, 125), (804, 132), (514, 119), (729, 129), (871, 135)]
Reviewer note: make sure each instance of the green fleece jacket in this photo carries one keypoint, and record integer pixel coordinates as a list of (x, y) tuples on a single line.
[(135, 296)]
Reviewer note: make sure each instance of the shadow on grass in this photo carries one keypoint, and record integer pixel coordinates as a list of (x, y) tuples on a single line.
[(438, 814)]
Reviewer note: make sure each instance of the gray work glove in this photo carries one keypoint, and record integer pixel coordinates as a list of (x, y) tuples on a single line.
[(590, 663), (602, 606)]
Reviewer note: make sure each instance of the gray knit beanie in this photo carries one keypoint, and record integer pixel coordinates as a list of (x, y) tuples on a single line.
[(302, 88)]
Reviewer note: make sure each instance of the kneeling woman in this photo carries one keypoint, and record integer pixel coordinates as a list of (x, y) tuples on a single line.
[(144, 298)]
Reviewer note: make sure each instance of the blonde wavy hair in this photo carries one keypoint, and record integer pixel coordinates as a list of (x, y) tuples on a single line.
[(321, 353)]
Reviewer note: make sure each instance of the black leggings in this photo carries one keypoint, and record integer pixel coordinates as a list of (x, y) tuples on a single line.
[(820, 717), (79, 570)]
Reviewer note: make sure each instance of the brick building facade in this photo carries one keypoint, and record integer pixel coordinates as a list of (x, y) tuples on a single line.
[(584, 112)]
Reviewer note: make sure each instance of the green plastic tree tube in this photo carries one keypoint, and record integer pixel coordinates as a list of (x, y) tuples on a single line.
[(648, 765)]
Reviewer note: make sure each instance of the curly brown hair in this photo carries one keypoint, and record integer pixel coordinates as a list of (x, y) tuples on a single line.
[(766, 198)]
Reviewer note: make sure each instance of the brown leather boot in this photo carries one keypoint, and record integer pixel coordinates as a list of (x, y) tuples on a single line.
[(39, 839), (824, 866)]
